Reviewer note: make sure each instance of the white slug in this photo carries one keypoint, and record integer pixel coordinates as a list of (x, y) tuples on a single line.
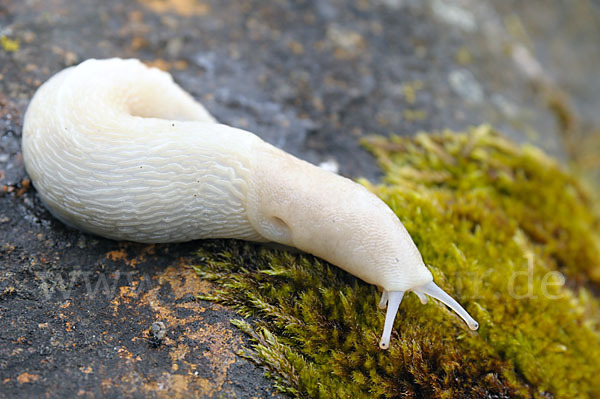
[(118, 149)]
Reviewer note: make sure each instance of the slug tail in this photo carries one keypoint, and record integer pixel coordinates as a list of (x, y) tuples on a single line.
[(393, 300), (436, 292)]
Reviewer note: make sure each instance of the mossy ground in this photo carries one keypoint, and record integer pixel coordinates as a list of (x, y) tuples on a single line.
[(503, 229)]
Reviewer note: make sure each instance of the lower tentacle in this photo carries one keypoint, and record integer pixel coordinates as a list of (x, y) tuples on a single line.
[(384, 300)]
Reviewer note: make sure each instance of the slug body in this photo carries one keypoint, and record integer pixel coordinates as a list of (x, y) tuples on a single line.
[(118, 149)]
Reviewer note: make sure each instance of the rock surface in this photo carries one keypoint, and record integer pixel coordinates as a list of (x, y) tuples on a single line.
[(312, 77)]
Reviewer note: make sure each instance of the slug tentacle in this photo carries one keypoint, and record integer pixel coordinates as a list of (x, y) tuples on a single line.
[(436, 292), (384, 300), (422, 297), (393, 298)]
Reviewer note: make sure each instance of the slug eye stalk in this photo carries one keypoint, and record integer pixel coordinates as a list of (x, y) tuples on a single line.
[(393, 299)]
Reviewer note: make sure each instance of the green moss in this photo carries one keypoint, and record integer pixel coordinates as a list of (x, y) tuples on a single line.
[(9, 45), (503, 229)]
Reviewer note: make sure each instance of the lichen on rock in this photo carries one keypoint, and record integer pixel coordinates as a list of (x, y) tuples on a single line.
[(504, 229)]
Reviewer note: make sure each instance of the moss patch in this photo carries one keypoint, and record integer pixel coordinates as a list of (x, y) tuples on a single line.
[(503, 229), (9, 45)]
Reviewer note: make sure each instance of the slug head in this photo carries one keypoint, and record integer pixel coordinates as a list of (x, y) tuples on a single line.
[(297, 204)]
